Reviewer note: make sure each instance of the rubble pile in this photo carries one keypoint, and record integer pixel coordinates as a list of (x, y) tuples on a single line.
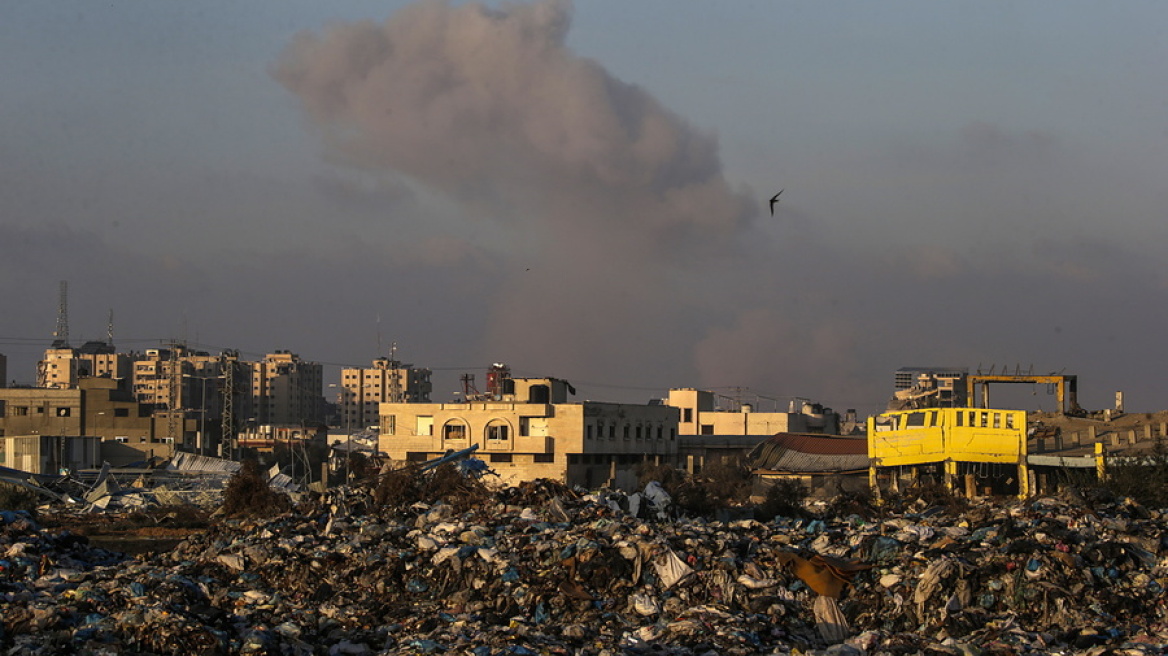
[(541, 569)]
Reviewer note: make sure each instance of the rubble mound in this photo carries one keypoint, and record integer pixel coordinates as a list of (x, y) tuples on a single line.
[(542, 569)]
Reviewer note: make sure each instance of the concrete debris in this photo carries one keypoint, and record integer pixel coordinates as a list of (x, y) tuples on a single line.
[(543, 569)]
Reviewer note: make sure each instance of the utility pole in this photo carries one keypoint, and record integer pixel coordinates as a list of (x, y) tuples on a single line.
[(62, 332), (172, 420), (227, 428)]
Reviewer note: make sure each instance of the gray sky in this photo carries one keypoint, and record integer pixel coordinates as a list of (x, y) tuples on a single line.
[(582, 192)]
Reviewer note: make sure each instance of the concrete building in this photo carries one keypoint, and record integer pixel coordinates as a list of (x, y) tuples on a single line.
[(50, 454), (936, 387), (700, 415), (387, 381), (58, 369), (128, 431), (63, 366), (531, 431), (287, 390)]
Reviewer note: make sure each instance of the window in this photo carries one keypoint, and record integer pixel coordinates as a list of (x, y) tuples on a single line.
[(638, 433), (417, 456), (1010, 421), (425, 425), (544, 457), (960, 420), (612, 431), (627, 431), (389, 424), (915, 420), (588, 432), (707, 429), (18, 411), (498, 431), (64, 412), (121, 439), (686, 415), (454, 432), (660, 431), (997, 420), (121, 412), (500, 457)]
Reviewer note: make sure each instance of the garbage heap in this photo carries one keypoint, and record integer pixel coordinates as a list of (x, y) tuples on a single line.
[(541, 569)]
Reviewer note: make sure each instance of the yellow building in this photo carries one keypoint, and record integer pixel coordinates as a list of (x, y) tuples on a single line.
[(976, 447), (531, 431)]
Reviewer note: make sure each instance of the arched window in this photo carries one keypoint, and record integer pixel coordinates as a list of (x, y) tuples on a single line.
[(455, 430), (498, 430)]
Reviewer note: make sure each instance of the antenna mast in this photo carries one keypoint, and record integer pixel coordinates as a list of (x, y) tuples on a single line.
[(62, 332)]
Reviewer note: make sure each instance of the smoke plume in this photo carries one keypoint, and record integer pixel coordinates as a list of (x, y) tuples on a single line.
[(589, 190)]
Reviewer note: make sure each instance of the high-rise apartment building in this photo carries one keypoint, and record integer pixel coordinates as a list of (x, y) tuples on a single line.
[(287, 390), (387, 381), (62, 366)]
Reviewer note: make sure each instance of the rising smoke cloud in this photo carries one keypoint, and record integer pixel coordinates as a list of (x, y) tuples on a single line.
[(590, 191)]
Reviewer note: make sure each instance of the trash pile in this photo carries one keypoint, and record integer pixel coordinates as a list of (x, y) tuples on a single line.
[(543, 569)]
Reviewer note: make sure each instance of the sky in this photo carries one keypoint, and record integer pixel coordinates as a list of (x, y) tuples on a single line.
[(583, 191)]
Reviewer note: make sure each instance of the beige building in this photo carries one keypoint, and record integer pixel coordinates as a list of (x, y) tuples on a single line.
[(63, 366), (287, 390), (387, 381), (531, 431), (700, 415)]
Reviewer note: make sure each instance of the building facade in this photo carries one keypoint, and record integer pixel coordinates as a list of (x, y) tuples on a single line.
[(128, 431), (49, 454), (387, 381), (532, 431), (287, 390), (700, 415)]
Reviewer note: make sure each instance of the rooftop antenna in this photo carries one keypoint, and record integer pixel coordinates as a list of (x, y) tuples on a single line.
[(378, 334), (62, 332), (109, 328)]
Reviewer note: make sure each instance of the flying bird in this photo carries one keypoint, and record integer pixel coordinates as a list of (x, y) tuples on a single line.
[(775, 200)]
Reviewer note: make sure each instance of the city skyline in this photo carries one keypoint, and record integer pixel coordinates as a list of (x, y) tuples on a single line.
[(583, 191)]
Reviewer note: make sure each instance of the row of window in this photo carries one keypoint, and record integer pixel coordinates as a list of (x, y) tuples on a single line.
[(628, 431), (23, 411), (970, 418)]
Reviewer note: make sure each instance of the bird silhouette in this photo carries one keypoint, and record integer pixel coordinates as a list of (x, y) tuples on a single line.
[(776, 200)]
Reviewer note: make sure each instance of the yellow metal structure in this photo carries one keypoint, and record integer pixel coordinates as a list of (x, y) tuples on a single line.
[(1066, 387), (948, 436)]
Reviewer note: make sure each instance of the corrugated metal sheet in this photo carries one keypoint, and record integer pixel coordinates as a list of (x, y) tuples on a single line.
[(805, 453)]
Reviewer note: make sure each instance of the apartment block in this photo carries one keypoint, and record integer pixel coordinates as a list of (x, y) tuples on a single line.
[(387, 381), (63, 366), (287, 390), (531, 431)]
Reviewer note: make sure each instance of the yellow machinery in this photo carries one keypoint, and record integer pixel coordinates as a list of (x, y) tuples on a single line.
[(961, 440)]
